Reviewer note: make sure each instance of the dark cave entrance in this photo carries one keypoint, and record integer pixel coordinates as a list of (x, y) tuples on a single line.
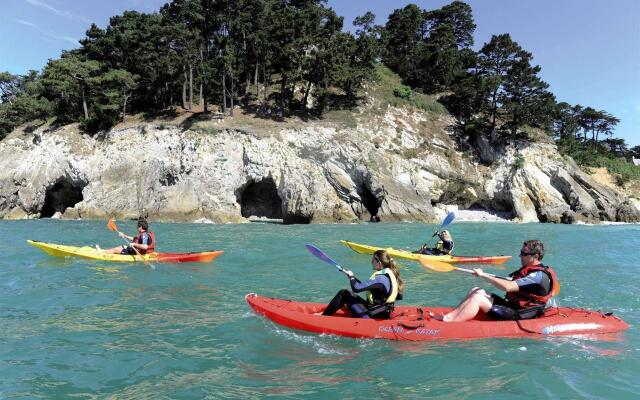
[(260, 199), (62, 195), (370, 202), (296, 219)]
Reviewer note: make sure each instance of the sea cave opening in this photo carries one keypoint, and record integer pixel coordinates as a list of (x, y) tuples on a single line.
[(62, 195), (260, 199), (370, 202)]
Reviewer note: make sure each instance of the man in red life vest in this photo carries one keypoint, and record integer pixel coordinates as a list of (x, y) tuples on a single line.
[(528, 290), (144, 242)]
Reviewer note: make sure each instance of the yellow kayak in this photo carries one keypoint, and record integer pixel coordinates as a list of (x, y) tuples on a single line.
[(59, 250), (407, 255)]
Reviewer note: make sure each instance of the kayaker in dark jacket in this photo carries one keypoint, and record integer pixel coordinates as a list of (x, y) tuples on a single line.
[(443, 247), (384, 287), (528, 290), (144, 242)]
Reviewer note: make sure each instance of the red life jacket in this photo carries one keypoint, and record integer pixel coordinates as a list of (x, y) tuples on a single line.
[(151, 248), (524, 300)]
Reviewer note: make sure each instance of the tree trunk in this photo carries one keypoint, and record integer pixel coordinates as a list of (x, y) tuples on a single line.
[(200, 103), (124, 105), (231, 97), (255, 81), (84, 105), (306, 96), (203, 88), (190, 87), (247, 82), (494, 111), (283, 95), (164, 98), (184, 91), (224, 94)]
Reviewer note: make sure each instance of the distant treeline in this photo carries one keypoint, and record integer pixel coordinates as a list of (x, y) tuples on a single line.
[(279, 57)]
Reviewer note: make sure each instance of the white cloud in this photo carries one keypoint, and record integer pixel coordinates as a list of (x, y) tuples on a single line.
[(45, 33), (65, 13), (23, 22)]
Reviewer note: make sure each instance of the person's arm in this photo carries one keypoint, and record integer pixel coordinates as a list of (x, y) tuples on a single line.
[(502, 284), (139, 246), (126, 237), (145, 242), (380, 282), (536, 282)]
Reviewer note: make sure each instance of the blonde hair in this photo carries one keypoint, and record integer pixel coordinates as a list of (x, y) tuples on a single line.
[(388, 262), (445, 235)]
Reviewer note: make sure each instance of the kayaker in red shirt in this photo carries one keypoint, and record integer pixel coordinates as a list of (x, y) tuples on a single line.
[(384, 287), (144, 242), (528, 290)]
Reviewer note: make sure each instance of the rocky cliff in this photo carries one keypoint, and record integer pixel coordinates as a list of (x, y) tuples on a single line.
[(396, 165)]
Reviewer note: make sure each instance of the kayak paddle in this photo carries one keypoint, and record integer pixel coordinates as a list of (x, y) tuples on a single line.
[(113, 227), (439, 266), (318, 253)]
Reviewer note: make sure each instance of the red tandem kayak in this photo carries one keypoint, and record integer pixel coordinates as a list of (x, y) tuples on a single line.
[(413, 323)]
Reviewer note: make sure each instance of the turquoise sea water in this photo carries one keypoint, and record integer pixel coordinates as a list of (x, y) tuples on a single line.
[(88, 329)]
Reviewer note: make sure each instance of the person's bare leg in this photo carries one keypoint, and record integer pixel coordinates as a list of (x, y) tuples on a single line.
[(469, 294), (113, 250), (477, 300)]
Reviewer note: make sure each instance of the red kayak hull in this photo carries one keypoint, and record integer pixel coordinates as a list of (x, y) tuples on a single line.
[(413, 323), (204, 256)]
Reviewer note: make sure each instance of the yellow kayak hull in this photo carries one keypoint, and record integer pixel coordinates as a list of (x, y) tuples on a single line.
[(407, 255), (60, 250)]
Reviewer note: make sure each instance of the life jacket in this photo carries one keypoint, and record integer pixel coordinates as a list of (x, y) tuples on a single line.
[(524, 300), (441, 249), (152, 246), (394, 288)]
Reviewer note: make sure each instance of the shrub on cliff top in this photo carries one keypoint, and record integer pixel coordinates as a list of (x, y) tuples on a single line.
[(402, 91)]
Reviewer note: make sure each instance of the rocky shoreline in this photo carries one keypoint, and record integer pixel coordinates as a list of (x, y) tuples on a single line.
[(401, 165)]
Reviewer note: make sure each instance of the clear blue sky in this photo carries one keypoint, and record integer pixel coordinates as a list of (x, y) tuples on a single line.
[(589, 50)]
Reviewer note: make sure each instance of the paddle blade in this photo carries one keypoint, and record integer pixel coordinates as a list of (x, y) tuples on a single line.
[(556, 288), (318, 253), (448, 219), (112, 225), (436, 266)]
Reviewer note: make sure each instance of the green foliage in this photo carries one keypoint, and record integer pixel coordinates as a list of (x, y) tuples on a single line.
[(275, 56), (344, 118), (384, 87), (518, 161), (402, 91), (623, 169), (586, 155), (427, 48), (209, 130), (203, 50), (21, 101)]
